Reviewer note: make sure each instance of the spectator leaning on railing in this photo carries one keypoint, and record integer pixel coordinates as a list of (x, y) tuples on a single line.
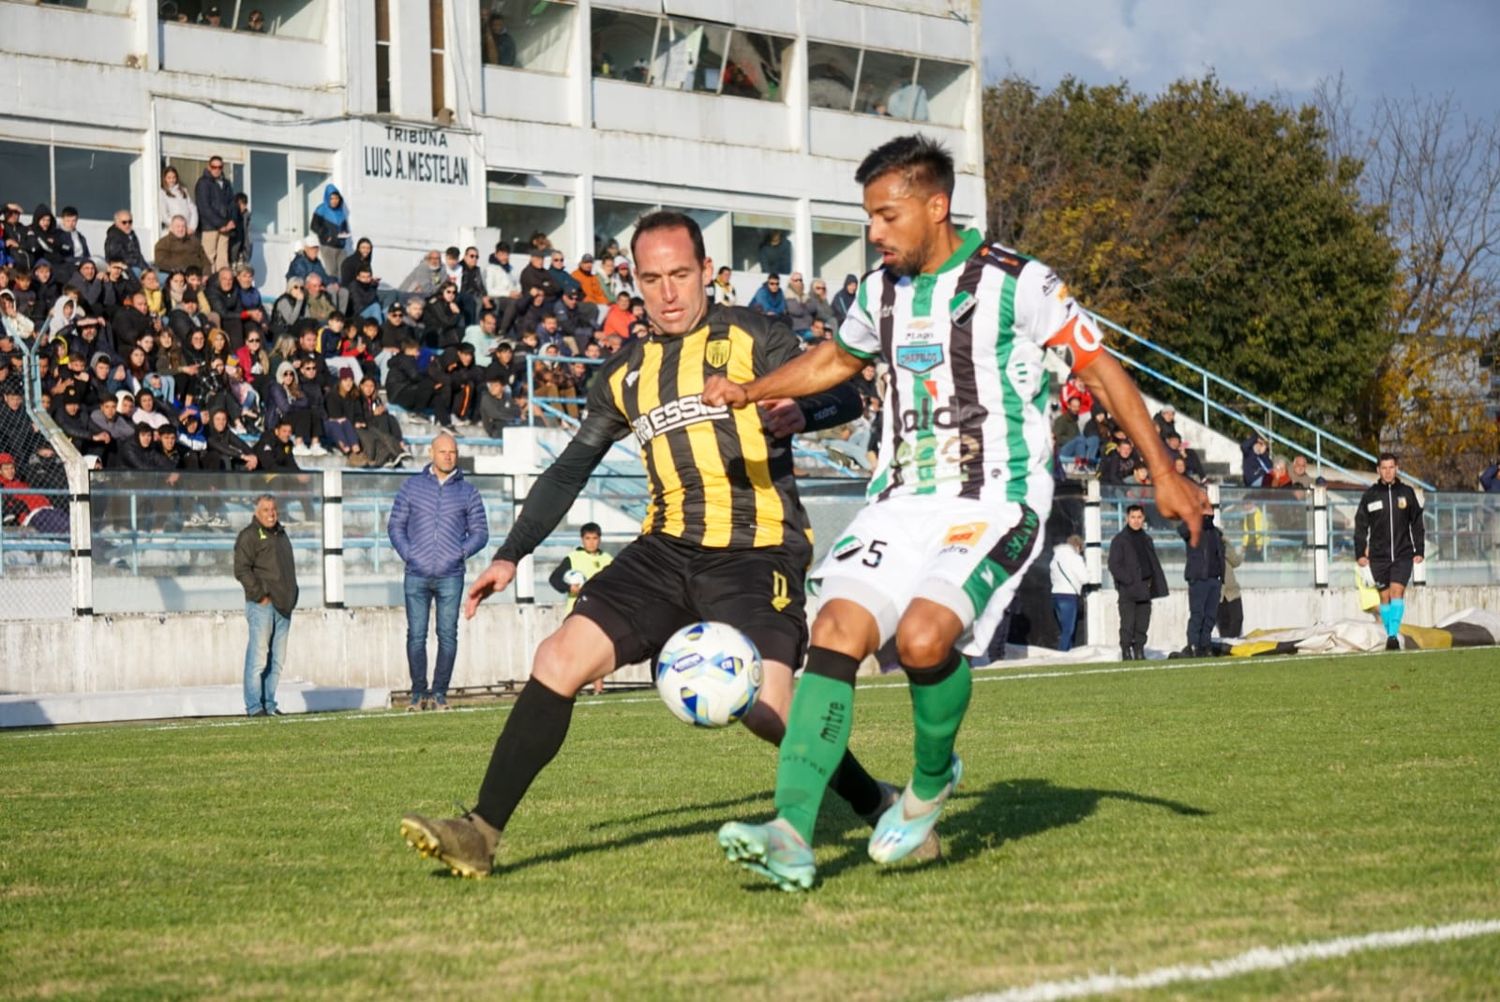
[(437, 522)]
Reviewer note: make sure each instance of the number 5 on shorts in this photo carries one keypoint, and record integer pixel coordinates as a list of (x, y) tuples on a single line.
[(873, 553)]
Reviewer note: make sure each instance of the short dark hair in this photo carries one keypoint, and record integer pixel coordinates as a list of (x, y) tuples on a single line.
[(667, 219), (1135, 507), (921, 161), (1387, 455), (589, 527)]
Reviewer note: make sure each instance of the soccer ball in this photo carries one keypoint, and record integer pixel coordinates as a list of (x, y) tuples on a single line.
[(573, 576), (708, 674)]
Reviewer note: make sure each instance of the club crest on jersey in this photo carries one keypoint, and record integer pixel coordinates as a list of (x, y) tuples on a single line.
[(919, 358), (717, 354), (960, 307), (846, 547)]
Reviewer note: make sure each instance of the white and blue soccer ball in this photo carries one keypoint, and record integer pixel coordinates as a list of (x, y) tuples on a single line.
[(708, 674)]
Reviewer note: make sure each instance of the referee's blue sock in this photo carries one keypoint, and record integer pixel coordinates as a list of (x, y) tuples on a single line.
[(1385, 618), (1398, 612)]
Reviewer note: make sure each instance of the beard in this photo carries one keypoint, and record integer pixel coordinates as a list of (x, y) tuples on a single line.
[(909, 265)]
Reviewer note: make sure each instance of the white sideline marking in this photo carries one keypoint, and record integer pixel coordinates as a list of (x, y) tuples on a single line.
[(1261, 958), (981, 675)]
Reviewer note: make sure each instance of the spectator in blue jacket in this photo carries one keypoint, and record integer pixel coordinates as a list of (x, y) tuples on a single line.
[(1257, 455), (769, 299), (307, 262), (437, 522)]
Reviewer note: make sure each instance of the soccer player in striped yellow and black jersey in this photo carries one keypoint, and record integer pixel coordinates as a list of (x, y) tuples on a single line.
[(724, 538)]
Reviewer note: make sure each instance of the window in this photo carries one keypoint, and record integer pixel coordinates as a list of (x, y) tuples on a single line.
[(688, 55), (527, 34), (27, 169), (756, 65), (762, 243), (439, 44), (831, 72), (284, 18), (888, 84), (518, 212), (945, 88), (190, 170), (622, 45), (616, 221), (95, 182), (383, 56), (98, 6), (269, 191), (838, 250), (881, 76), (309, 195)]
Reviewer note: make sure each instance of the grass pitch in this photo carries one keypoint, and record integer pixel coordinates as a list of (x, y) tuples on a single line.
[(1109, 822)]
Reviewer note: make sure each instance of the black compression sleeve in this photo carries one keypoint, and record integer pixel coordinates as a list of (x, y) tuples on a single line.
[(551, 497), (837, 406)]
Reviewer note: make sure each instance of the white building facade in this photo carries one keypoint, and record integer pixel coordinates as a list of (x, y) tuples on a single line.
[(471, 121)]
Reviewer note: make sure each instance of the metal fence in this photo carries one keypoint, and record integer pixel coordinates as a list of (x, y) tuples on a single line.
[(35, 576)]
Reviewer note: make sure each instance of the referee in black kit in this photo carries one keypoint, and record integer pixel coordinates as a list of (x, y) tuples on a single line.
[(1389, 539), (725, 536)]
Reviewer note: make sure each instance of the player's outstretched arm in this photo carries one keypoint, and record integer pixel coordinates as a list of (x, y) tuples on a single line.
[(548, 501), (814, 371), (1176, 495)]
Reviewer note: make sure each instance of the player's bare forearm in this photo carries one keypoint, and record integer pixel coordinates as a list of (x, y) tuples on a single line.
[(1176, 495), (814, 371), (1109, 381)]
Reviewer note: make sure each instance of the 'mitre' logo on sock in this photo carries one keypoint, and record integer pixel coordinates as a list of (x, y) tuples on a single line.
[(833, 721)]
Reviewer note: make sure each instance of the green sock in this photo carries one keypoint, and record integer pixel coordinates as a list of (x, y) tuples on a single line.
[(817, 735), (939, 700)]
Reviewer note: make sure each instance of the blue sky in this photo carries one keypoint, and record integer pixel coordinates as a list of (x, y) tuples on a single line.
[(1267, 47)]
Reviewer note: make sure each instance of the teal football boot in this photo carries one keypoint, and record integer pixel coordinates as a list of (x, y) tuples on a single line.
[(899, 833), (775, 851)]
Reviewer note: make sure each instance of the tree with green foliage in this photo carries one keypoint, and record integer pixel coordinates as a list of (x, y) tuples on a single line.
[(1209, 221)]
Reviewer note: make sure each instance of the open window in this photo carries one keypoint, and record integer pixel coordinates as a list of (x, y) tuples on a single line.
[(527, 34), (681, 54)]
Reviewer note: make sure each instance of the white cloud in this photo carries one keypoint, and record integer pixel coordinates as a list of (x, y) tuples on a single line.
[(1265, 47)]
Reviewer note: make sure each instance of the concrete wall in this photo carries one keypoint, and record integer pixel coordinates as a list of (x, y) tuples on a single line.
[(1274, 608), (367, 647), (342, 648)]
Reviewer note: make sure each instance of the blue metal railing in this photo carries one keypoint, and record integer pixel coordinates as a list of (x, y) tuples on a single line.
[(1204, 395)]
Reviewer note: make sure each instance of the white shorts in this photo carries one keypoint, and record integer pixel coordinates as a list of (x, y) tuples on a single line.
[(968, 556)]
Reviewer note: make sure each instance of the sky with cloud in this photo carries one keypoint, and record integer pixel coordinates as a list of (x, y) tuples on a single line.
[(1267, 47)]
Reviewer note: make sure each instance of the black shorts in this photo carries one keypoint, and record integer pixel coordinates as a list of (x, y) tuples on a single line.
[(1389, 572), (658, 584)]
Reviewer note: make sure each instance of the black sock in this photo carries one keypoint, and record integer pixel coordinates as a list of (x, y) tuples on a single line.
[(532, 734), (856, 786)]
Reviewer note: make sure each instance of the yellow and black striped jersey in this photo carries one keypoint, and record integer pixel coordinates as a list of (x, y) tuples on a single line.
[(717, 479)]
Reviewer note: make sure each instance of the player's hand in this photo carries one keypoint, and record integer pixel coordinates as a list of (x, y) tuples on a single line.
[(1416, 560), (496, 577), (719, 392), (782, 418), (1364, 561), (1178, 497)]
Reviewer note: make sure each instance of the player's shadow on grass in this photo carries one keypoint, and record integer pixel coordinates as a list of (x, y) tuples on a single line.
[(982, 820), (702, 827)]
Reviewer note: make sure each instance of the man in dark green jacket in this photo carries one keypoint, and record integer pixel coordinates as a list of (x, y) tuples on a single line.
[(264, 567)]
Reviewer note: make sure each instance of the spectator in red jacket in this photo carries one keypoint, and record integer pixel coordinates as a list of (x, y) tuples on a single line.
[(1074, 388), (30, 510)]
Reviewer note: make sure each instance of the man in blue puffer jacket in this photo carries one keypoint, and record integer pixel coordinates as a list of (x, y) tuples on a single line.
[(436, 523)]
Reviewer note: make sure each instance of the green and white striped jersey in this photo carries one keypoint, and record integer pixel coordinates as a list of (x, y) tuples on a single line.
[(965, 407)]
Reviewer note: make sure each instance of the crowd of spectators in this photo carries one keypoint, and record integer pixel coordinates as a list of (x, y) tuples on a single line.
[(165, 354)]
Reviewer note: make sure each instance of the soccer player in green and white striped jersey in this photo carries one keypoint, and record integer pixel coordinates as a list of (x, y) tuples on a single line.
[(959, 499)]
